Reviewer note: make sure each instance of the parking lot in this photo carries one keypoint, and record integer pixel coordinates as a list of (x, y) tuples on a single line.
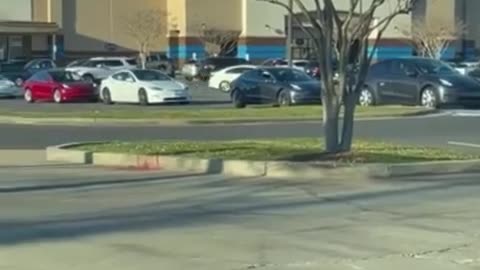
[(202, 97)]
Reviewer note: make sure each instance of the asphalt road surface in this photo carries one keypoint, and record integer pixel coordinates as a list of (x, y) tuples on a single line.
[(77, 217), (443, 131)]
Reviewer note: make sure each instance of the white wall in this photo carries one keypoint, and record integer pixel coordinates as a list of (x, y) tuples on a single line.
[(258, 14), (16, 10)]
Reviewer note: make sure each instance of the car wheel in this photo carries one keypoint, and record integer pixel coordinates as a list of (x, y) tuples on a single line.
[(142, 97), (429, 98), (89, 78), (366, 98), (57, 96), (106, 96), (283, 99), (19, 82), (225, 86), (238, 100), (28, 96)]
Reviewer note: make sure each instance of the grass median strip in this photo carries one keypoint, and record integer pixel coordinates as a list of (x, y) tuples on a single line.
[(298, 149), (200, 114)]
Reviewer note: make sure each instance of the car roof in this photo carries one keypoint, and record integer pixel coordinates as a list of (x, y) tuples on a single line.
[(111, 58)]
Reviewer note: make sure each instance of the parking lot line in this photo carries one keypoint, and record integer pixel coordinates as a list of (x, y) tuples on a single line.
[(465, 144)]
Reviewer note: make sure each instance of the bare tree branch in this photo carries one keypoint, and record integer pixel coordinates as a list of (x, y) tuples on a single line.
[(146, 27), (218, 41), (433, 38)]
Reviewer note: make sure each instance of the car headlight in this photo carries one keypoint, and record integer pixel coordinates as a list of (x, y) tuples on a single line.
[(295, 87), (156, 88), (446, 83)]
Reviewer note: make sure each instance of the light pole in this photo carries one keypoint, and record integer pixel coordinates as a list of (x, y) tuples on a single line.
[(290, 34)]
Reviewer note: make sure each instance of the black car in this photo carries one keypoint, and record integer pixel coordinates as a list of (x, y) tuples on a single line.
[(418, 81), (275, 85), (209, 65), (19, 71)]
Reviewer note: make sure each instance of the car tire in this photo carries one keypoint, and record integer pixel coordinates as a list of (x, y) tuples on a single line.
[(429, 98), (19, 81), (143, 97), (238, 100), (89, 78), (283, 99), (57, 96), (106, 96), (225, 86), (28, 96), (366, 98)]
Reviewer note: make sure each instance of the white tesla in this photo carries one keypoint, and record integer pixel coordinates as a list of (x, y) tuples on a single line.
[(143, 86), (222, 79)]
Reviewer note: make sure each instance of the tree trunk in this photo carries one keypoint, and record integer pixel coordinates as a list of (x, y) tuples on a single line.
[(348, 122), (143, 60), (331, 112)]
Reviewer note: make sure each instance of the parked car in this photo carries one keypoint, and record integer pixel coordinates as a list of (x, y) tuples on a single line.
[(222, 79), (143, 86), (58, 85), (98, 68), (418, 81), (279, 86), (18, 71), (8, 89), (161, 62), (313, 69), (202, 69), (77, 63), (296, 63)]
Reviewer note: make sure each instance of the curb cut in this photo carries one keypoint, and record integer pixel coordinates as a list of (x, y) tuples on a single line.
[(241, 168)]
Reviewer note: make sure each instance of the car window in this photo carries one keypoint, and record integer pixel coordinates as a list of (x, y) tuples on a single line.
[(252, 75), (289, 75), (46, 64), (239, 70), (92, 63), (150, 75), (431, 66), (122, 76), (112, 63), (40, 77), (402, 67), (65, 76), (132, 62), (379, 68)]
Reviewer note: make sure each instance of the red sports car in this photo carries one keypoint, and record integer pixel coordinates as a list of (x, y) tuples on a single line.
[(58, 85)]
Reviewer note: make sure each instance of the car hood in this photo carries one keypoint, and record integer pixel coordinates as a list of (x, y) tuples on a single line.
[(461, 82), (311, 86), (166, 85)]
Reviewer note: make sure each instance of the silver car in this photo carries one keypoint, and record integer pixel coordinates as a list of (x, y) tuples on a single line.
[(190, 70)]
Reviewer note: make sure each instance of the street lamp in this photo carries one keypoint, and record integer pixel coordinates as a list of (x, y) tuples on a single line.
[(290, 34)]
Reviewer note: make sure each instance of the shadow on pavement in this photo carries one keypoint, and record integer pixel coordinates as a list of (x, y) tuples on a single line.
[(185, 212)]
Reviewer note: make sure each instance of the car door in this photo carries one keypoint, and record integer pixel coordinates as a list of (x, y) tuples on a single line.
[(41, 85), (268, 88), (130, 88), (116, 86), (250, 85), (404, 85)]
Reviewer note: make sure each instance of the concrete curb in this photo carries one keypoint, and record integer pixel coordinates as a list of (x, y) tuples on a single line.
[(274, 169)]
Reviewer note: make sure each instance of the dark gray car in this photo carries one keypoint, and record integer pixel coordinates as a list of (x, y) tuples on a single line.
[(418, 81), (280, 86)]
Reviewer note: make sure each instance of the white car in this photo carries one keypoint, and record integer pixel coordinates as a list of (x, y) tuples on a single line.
[(8, 88), (99, 68), (222, 79), (143, 86), (297, 63)]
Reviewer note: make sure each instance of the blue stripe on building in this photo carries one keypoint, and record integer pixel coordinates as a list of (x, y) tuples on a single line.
[(261, 51)]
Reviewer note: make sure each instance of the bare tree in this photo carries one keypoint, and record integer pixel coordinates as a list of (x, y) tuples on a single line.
[(344, 35), (432, 38), (146, 27), (218, 41)]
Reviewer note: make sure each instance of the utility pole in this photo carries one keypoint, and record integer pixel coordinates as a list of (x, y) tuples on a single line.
[(290, 34)]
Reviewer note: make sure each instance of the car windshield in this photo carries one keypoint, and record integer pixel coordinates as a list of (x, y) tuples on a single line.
[(132, 62), (65, 76), (150, 75), (289, 75), (429, 66)]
